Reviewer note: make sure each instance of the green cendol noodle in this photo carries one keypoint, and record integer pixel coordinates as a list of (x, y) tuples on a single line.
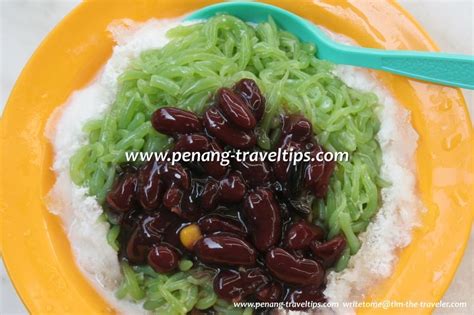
[(199, 59)]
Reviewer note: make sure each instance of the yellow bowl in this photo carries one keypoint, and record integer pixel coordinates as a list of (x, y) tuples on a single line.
[(35, 248)]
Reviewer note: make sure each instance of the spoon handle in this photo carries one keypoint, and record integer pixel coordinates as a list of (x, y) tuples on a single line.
[(447, 69)]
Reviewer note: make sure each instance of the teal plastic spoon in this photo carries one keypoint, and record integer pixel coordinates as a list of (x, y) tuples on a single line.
[(448, 69)]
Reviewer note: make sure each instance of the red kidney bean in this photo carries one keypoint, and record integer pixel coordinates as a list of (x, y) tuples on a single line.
[(145, 234), (248, 90), (283, 169), (150, 229), (138, 247), (214, 168), (189, 208), (298, 127), (229, 285), (235, 109), (219, 223), (210, 195), (270, 293), (171, 121), (298, 253), (191, 143), (172, 197), (320, 190), (128, 222), (231, 188), (175, 174), (263, 218), (311, 293), (225, 250), (121, 197), (328, 252), (197, 188), (287, 143), (292, 270), (315, 169), (163, 258), (150, 187), (256, 278), (159, 222), (171, 235), (300, 235), (255, 173), (233, 286), (218, 126)]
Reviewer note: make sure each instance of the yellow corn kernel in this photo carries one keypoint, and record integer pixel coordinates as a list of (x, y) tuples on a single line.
[(189, 235)]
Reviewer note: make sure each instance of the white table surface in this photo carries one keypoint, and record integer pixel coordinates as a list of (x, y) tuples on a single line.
[(24, 23)]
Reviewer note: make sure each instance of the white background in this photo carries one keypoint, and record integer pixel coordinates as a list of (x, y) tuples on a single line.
[(24, 23)]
